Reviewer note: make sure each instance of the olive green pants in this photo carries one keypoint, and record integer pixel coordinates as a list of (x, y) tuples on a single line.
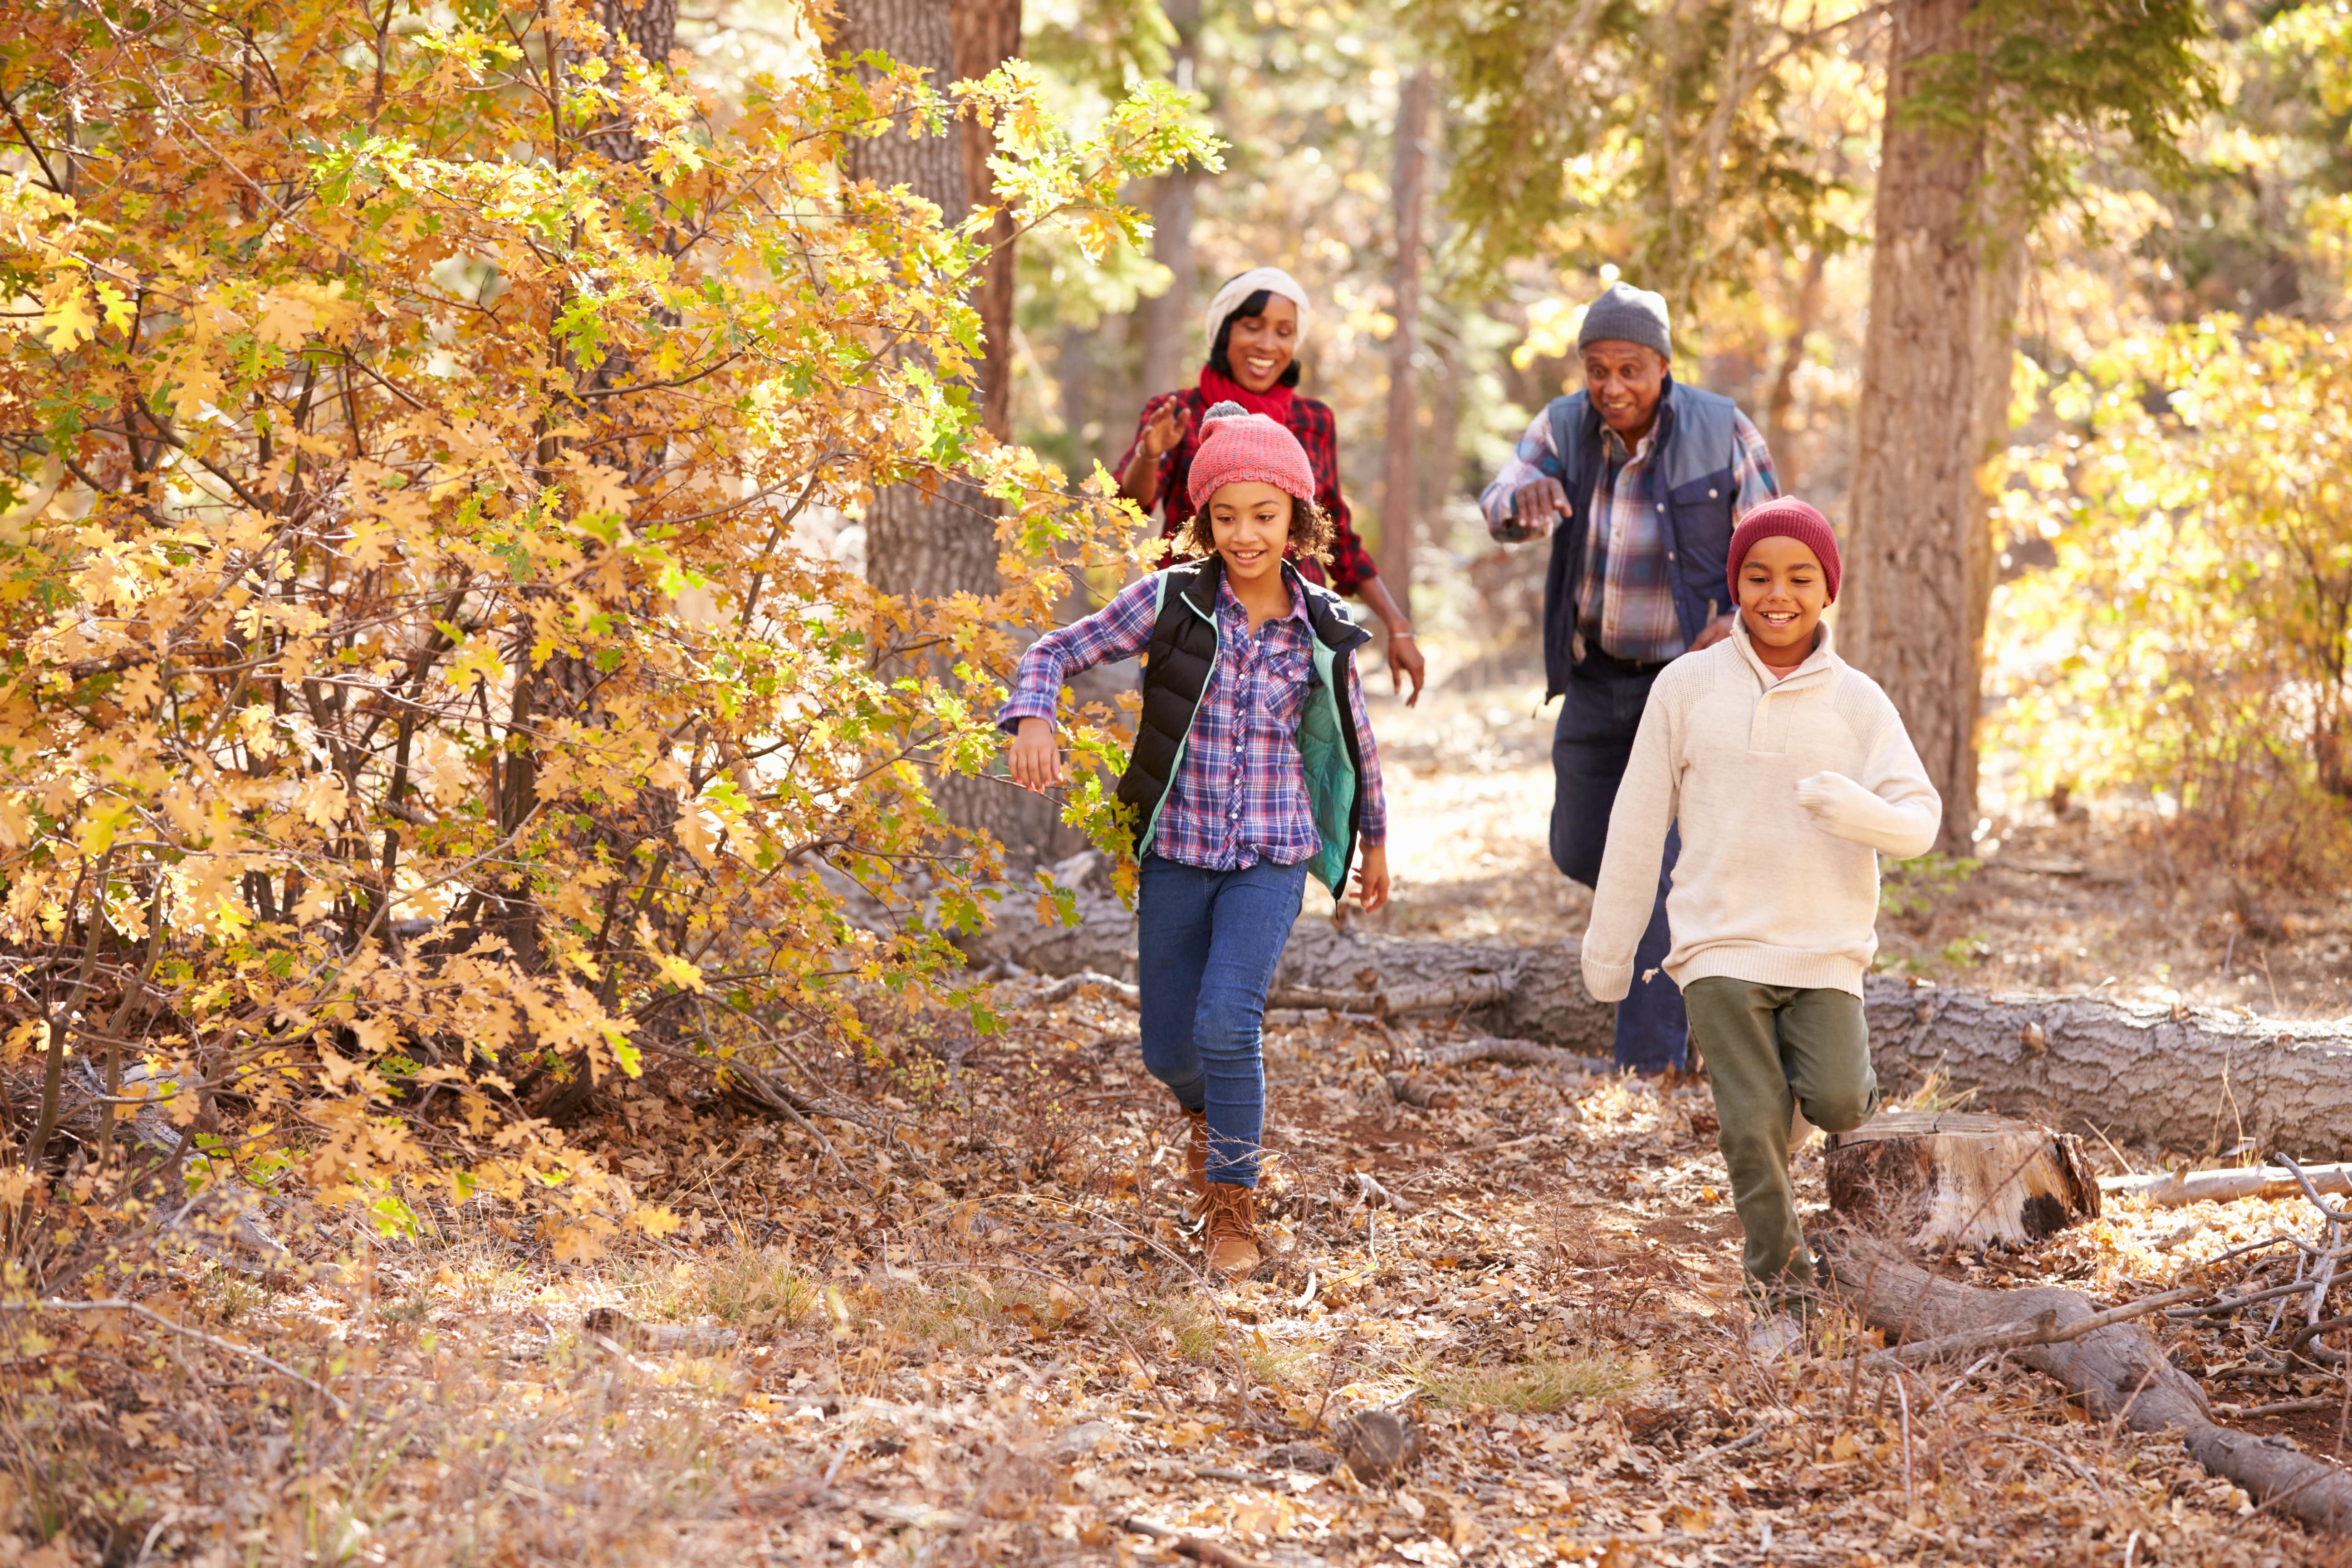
[(1769, 1048)]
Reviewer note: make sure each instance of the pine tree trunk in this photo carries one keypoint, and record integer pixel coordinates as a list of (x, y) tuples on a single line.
[(925, 546), (1397, 492), (987, 34), (652, 27), (919, 545), (1165, 360), (1781, 403), (1944, 284)]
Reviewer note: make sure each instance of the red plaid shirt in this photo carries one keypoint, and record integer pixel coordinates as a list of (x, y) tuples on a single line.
[(1311, 422)]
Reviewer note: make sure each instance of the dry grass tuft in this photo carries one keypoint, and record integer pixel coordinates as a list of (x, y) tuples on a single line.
[(1542, 1387)]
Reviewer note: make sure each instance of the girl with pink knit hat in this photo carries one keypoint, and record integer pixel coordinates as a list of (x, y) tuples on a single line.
[(1253, 768), (1788, 773)]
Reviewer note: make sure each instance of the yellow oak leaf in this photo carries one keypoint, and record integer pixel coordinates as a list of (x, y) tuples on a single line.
[(120, 312), (677, 968), (66, 319)]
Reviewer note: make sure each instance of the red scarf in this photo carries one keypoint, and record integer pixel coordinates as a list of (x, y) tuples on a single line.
[(1274, 401)]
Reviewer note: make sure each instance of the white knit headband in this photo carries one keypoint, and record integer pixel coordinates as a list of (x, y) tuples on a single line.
[(1273, 280)]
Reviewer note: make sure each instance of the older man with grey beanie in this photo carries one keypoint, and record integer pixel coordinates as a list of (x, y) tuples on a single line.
[(1637, 480)]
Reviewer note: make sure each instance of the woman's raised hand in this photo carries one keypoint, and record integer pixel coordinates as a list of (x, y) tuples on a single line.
[(1036, 759), (1167, 428)]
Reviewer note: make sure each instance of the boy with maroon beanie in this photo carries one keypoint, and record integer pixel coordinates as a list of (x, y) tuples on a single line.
[(1788, 773)]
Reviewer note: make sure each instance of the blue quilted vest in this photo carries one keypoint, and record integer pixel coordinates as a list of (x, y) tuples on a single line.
[(1692, 458)]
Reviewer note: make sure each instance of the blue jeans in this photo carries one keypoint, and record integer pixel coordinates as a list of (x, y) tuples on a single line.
[(1591, 743), (1207, 947)]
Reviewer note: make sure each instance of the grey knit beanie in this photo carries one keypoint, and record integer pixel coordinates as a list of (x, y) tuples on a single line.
[(1627, 315)]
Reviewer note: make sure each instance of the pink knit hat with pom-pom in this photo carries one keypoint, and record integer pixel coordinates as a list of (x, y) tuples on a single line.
[(1238, 446)]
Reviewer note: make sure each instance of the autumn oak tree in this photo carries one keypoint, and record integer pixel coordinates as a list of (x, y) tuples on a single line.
[(411, 704)]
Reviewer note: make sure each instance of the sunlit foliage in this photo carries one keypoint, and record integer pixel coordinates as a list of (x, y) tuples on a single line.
[(2199, 614), (412, 706)]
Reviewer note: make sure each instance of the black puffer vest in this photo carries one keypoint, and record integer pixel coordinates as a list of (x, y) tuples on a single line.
[(1178, 661)]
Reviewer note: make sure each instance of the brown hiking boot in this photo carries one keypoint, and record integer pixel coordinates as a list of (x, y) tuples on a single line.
[(1232, 1233), (1196, 1154)]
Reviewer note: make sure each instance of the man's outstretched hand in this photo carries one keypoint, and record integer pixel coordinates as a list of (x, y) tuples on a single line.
[(1538, 506), (1714, 632)]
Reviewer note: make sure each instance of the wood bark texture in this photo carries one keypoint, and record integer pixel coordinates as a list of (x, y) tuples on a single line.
[(2193, 1080), (1945, 272), (652, 27), (1166, 363), (2189, 1080), (987, 34), (927, 544), (930, 543), (1959, 1179), (2117, 1371), (1397, 523)]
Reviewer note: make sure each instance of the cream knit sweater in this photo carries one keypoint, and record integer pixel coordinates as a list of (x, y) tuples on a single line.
[(1786, 792)]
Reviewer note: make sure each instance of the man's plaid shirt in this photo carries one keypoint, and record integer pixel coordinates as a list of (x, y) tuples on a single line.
[(1239, 794), (1318, 431), (1624, 597)]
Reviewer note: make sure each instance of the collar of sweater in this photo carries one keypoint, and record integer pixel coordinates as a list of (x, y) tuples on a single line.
[(1817, 665)]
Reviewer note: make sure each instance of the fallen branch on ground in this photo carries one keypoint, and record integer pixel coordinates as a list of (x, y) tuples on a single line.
[(2061, 1057), (1216, 1554), (2041, 1329), (2116, 1368), (1064, 989), (2173, 1189), (231, 1346), (1396, 1001)]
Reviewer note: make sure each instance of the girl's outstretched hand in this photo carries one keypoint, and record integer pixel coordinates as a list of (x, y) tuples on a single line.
[(1373, 878), (1036, 759)]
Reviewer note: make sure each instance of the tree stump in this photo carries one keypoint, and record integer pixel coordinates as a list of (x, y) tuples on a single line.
[(1944, 1179)]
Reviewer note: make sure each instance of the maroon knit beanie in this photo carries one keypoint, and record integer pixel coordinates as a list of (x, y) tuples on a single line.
[(1787, 518), (1237, 446)]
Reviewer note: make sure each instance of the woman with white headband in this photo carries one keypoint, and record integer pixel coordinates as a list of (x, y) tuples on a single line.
[(1255, 323)]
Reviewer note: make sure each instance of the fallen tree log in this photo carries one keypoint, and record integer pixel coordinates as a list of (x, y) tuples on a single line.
[(2173, 1078), (1946, 1178), (2117, 1371)]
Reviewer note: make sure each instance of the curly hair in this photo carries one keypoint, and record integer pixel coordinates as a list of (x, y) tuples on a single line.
[(1310, 533)]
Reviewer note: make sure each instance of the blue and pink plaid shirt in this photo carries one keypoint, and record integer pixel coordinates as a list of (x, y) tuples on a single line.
[(1240, 795)]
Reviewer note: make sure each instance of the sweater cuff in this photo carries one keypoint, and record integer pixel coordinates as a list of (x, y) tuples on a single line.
[(1608, 982)]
